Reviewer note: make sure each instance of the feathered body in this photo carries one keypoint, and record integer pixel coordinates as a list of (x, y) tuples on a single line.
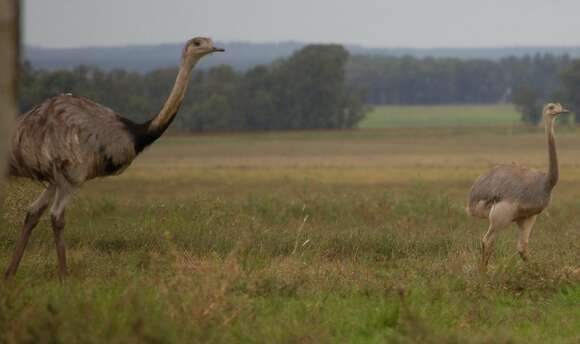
[(68, 140), (73, 138), (510, 183)]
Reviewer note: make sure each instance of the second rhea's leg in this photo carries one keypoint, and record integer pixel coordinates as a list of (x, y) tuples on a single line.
[(524, 230), (500, 216), (63, 195), (32, 217)]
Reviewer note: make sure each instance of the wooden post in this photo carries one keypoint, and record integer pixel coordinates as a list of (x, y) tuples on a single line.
[(9, 69)]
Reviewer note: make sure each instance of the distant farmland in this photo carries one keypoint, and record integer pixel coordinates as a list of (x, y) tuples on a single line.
[(439, 116)]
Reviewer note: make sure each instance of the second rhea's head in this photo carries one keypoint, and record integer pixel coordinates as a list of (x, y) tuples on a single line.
[(554, 109)]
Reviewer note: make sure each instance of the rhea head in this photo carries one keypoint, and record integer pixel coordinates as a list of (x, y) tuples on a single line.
[(198, 47), (551, 110)]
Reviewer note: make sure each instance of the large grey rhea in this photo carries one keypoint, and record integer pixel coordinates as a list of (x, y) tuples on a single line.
[(511, 193), (68, 140)]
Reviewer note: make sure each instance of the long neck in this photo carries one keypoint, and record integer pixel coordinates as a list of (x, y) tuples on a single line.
[(159, 124), (553, 173)]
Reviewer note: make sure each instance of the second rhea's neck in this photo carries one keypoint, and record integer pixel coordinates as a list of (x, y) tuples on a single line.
[(553, 173)]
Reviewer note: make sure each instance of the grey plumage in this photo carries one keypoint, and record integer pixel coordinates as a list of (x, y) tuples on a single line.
[(524, 186), (72, 138), (511, 193), (68, 140)]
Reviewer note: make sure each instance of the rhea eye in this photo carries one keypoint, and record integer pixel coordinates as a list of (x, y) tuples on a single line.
[(551, 107), (197, 43)]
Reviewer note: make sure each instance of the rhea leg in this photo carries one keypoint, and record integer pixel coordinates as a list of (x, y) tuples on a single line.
[(63, 195), (32, 217), (500, 216), (524, 231)]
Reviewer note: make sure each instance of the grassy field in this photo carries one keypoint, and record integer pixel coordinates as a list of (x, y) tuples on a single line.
[(444, 115), (312, 237)]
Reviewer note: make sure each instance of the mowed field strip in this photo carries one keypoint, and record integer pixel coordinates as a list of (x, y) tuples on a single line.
[(392, 116)]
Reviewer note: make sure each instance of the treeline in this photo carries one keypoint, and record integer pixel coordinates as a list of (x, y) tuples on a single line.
[(527, 82), (319, 86), (408, 80), (305, 91)]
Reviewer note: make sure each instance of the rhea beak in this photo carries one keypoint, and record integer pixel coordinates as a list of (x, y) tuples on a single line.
[(564, 110), (218, 49)]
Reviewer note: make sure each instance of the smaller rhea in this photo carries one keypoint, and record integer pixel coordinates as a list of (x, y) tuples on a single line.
[(511, 193)]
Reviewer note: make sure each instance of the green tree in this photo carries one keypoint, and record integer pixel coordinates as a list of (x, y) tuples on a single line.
[(527, 102), (215, 108), (570, 84), (256, 99), (310, 90)]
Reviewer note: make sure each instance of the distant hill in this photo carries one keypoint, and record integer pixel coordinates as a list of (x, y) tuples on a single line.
[(148, 57), (468, 53), (245, 55)]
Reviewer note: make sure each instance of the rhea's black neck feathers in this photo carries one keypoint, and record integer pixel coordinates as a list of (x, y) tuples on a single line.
[(141, 134)]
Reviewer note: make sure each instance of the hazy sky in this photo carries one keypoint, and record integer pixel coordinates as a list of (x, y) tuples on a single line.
[(384, 23)]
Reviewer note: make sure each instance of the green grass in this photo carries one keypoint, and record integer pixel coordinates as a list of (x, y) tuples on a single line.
[(356, 237), (438, 116)]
